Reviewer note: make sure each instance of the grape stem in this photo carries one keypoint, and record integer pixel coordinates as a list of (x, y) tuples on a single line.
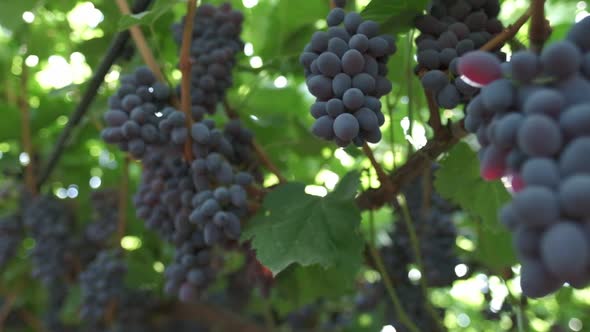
[(115, 49), (123, 194), (23, 106), (415, 244), (538, 33), (185, 69), (388, 282), (258, 149), (434, 121), (381, 174), (141, 43)]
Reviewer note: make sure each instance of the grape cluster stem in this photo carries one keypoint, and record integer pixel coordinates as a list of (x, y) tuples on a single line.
[(185, 69), (538, 33)]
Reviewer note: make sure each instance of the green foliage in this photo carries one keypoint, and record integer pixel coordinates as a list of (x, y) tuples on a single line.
[(294, 227), (459, 181), (394, 16), (148, 17)]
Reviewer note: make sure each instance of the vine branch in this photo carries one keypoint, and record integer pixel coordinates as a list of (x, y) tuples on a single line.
[(508, 33), (214, 316), (414, 166), (185, 68), (115, 49), (434, 121), (6, 308)]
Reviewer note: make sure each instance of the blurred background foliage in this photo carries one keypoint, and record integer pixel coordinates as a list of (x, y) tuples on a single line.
[(48, 50)]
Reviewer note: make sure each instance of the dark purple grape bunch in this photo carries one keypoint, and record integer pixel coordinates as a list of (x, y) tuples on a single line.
[(346, 70), (164, 191), (105, 204), (534, 125), (51, 225), (11, 236), (193, 269), (215, 45), (135, 112), (448, 31), (102, 284)]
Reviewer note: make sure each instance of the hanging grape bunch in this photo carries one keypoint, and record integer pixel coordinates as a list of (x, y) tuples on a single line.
[(449, 30), (534, 126), (346, 70)]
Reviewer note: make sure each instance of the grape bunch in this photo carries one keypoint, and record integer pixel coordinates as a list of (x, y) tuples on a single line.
[(192, 270), (135, 112), (534, 126), (51, 226), (449, 30), (432, 220), (102, 283), (346, 70), (11, 236), (105, 204), (214, 47)]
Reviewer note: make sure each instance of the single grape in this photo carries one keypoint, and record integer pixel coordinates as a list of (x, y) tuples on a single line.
[(536, 206), (525, 65), (335, 17), (340, 84), (565, 250), (435, 80), (574, 196), (346, 127), (322, 127), (539, 136), (561, 59), (480, 67), (448, 97), (367, 119), (544, 101), (353, 62), (542, 172), (353, 99)]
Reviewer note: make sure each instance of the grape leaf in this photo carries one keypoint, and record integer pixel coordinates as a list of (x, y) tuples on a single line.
[(146, 17), (458, 180), (294, 227), (394, 16)]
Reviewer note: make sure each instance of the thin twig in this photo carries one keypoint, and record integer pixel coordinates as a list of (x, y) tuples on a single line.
[(258, 149), (115, 49), (23, 105), (381, 174), (6, 309), (31, 320), (123, 202), (141, 43), (185, 69), (388, 282), (508, 33), (415, 244), (538, 28)]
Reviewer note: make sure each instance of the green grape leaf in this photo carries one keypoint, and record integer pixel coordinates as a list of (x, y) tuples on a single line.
[(458, 180), (147, 17), (394, 16), (294, 227)]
